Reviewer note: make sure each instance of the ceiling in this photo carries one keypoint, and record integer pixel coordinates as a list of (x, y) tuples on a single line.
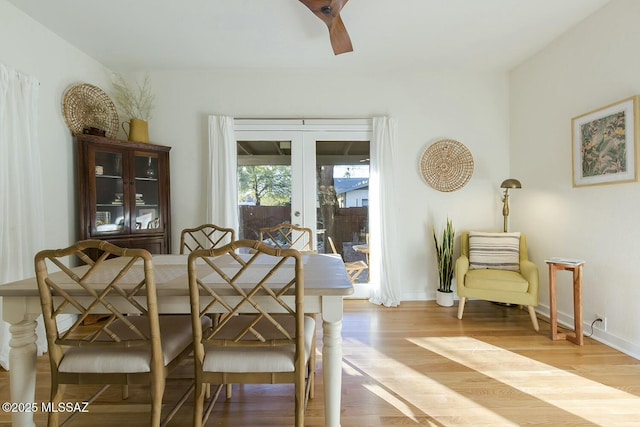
[(128, 35)]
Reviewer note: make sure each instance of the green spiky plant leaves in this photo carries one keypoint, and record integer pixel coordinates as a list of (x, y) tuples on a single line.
[(444, 253)]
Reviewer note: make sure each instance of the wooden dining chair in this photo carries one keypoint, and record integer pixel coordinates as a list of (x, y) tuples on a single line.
[(271, 343), (205, 236), (131, 345), (287, 236), (354, 268)]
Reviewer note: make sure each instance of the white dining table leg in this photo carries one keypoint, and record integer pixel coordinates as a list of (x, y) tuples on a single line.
[(332, 358), (22, 368)]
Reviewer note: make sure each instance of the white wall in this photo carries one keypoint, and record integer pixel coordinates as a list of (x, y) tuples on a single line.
[(528, 113), (595, 64), (471, 107), (27, 46), (355, 198)]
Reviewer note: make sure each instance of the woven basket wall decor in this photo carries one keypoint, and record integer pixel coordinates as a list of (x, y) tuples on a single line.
[(447, 165), (87, 106)]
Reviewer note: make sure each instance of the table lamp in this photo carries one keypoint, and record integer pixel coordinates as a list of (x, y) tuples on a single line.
[(507, 184)]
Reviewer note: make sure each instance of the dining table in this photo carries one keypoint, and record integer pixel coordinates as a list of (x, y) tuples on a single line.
[(326, 282)]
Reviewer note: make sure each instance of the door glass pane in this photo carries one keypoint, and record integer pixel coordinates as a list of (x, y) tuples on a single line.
[(343, 199), (264, 185), (146, 212), (109, 203)]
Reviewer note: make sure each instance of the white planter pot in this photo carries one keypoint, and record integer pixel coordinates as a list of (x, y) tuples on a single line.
[(444, 299)]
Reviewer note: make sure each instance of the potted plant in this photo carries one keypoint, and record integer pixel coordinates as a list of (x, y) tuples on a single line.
[(136, 104), (444, 254)]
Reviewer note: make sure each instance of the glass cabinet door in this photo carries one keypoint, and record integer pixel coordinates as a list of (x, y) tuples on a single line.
[(146, 215), (109, 204)]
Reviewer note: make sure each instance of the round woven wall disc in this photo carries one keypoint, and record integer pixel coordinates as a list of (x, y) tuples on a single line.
[(447, 165), (88, 106)]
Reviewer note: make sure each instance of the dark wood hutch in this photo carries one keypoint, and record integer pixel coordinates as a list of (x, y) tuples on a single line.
[(124, 192)]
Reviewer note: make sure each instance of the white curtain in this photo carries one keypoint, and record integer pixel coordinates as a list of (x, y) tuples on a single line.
[(381, 213), (222, 188), (21, 201)]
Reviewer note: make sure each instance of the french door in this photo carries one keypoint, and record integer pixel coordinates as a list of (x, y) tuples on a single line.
[(271, 180), (287, 169)]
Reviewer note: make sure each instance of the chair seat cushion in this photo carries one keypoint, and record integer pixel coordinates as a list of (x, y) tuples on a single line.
[(258, 359), (496, 280), (176, 336)]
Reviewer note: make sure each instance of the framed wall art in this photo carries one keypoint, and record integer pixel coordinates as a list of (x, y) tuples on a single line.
[(605, 144)]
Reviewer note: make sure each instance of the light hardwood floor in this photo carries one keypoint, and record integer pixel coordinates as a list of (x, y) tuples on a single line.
[(419, 365)]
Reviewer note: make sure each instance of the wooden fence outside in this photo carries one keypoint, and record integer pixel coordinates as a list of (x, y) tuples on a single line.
[(350, 224)]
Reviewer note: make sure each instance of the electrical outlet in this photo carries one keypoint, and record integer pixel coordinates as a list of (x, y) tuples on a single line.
[(602, 324)]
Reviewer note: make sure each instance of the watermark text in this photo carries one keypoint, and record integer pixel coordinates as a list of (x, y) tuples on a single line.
[(21, 407)]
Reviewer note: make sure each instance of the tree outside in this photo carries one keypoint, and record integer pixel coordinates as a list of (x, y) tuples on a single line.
[(265, 185)]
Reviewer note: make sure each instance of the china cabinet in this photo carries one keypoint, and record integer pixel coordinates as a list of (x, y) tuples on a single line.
[(123, 192)]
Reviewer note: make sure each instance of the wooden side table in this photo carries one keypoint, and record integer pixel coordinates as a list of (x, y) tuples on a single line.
[(575, 266)]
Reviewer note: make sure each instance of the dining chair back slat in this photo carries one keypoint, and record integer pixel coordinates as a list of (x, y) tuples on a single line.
[(205, 236), (285, 236)]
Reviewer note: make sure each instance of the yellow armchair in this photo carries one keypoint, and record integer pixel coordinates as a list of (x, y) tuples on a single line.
[(513, 287)]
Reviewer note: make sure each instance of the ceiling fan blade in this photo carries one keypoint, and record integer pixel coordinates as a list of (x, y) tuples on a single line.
[(329, 12), (340, 40)]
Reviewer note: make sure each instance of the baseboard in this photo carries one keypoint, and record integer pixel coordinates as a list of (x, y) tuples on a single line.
[(599, 335), (418, 296)]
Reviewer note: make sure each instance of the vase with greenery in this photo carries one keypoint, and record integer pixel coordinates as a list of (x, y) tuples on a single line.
[(444, 254), (135, 102)]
